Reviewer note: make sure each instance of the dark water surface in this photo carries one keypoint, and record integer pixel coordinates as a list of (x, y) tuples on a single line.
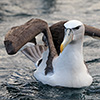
[(16, 80)]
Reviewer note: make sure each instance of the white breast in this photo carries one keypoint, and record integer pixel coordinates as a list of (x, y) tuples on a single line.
[(69, 70)]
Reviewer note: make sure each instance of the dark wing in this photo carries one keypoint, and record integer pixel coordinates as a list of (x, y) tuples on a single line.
[(92, 31), (18, 36)]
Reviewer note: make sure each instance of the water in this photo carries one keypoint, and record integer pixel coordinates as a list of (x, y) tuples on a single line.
[(16, 80)]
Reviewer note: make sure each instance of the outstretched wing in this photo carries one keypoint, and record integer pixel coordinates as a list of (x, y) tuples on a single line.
[(17, 37), (20, 35)]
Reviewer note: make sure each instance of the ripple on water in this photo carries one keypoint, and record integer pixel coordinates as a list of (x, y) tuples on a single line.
[(21, 85)]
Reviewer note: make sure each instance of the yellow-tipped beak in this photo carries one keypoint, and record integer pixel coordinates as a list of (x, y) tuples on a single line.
[(67, 39), (61, 48)]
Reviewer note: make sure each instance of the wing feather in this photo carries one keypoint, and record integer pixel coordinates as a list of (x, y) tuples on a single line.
[(33, 52)]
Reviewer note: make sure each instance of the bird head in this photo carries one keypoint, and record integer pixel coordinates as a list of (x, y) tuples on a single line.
[(74, 31)]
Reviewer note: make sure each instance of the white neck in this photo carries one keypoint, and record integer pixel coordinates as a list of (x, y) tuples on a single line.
[(72, 57)]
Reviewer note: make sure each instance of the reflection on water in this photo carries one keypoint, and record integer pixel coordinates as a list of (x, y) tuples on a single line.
[(16, 72)]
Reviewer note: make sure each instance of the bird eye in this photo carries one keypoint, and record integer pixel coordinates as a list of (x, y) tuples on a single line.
[(68, 32), (76, 28), (65, 30)]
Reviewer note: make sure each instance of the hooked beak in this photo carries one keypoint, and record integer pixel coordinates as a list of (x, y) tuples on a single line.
[(67, 39)]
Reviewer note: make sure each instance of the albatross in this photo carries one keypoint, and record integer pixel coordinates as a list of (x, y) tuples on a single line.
[(56, 67)]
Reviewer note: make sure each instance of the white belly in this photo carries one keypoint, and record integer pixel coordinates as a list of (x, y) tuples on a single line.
[(65, 77)]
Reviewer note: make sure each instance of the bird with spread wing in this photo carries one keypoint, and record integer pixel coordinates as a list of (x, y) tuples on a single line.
[(59, 62)]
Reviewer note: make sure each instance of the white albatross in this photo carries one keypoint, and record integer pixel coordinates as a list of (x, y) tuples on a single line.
[(69, 69)]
